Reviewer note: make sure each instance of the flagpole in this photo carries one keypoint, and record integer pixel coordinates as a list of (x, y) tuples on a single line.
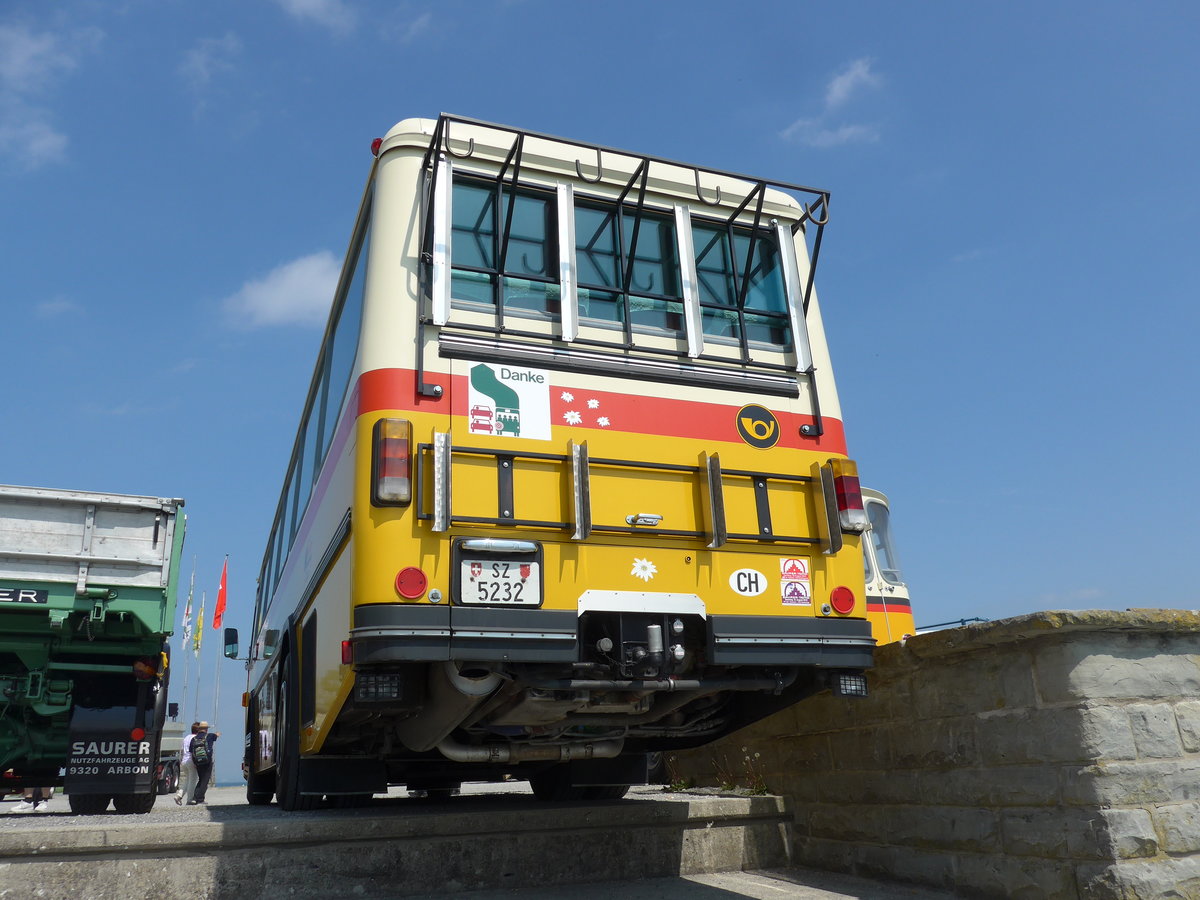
[(187, 634), (196, 642)]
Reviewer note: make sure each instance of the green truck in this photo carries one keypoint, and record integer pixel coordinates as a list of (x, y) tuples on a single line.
[(88, 588)]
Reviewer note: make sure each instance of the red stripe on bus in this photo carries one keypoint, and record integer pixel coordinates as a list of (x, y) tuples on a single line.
[(632, 412), (898, 606)]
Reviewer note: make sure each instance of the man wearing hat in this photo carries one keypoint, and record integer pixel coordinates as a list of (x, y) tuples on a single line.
[(204, 770)]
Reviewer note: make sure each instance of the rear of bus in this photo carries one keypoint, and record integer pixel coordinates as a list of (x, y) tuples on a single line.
[(601, 504)]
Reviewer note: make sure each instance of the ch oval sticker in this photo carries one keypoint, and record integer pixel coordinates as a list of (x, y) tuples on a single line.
[(748, 582)]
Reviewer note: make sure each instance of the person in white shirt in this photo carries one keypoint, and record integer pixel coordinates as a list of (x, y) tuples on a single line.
[(188, 776)]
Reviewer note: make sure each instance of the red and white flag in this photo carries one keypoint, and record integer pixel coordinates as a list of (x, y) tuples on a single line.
[(219, 612)]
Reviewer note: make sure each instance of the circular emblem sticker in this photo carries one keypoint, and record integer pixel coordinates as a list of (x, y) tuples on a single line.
[(758, 426)]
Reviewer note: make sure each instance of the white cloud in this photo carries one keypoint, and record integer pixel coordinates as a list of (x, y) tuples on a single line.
[(332, 14), (416, 28), (299, 292), (57, 306), (31, 63), (28, 138), (843, 85), (814, 133), (209, 58), (819, 131)]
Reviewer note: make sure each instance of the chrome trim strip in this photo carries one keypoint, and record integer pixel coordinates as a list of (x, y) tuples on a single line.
[(843, 640), (567, 281), (441, 481), (439, 288), (691, 284), (795, 296)]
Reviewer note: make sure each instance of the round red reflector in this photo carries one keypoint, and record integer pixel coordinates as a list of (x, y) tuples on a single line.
[(137, 734), (375, 145), (411, 583), (841, 598)]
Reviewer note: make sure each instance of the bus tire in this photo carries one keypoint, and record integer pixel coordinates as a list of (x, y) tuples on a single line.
[(134, 804), (287, 768), (554, 784), (260, 789), (88, 804)]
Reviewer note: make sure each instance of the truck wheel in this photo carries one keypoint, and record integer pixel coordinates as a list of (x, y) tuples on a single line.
[(287, 749), (134, 804), (88, 804)]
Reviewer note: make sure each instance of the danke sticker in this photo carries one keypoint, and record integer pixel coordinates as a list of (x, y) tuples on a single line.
[(509, 401)]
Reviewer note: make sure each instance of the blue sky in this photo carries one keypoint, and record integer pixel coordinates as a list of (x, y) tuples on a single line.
[(1008, 277)]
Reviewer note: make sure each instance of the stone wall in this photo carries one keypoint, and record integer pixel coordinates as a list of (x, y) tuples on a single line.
[(1051, 755)]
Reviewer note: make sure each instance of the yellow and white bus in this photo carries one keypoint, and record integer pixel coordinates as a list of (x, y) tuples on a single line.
[(570, 484)]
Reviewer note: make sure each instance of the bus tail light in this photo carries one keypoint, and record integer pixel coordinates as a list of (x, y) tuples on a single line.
[(392, 481), (851, 514), (347, 653)]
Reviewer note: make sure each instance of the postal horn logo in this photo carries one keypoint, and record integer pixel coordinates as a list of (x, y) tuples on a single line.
[(758, 426)]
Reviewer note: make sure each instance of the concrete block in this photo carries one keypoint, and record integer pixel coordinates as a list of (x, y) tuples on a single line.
[(1119, 667), (1179, 827), (862, 748), (1155, 731), (1187, 715)]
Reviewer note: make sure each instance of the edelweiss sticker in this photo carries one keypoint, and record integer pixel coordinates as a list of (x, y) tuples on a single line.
[(643, 569)]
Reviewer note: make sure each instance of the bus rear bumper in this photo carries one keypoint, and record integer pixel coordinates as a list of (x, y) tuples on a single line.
[(394, 632)]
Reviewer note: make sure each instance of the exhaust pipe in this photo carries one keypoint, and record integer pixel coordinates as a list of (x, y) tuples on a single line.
[(514, 753)]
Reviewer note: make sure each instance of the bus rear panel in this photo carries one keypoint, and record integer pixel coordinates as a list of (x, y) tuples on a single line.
[(570, 486)]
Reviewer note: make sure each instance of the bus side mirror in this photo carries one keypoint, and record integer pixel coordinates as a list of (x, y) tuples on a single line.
[(231, 643), (173, 710)]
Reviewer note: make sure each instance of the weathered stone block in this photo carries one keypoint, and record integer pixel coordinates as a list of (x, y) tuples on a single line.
[(983, 681), (944, 828), (1155, 731), (1001, 786), (938, 744), (1105, 732), (1158, 879), (1179, 827), (1132, 783), (1187, 715), (1026, 878), (1031, 736), (1132, 667), (1079, 833), (867, 787)]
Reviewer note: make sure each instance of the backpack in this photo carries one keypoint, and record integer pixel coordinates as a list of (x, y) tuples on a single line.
[(200, 755)]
